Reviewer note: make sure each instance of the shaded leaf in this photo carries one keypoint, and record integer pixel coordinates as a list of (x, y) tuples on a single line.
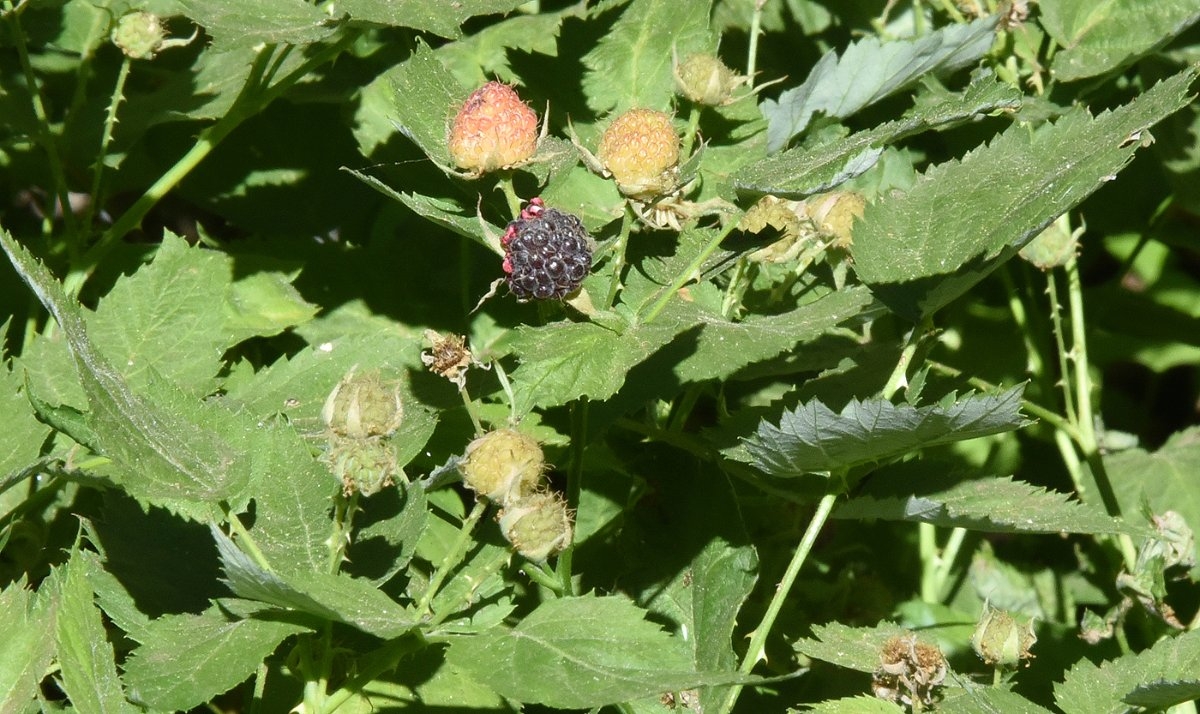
[(932, 493), (856, 648), (580, 652), (21, 434), (869, 70), (27, 620), (918, 254), (246, 23), (812, 438)]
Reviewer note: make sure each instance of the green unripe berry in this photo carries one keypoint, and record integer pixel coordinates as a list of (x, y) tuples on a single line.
[(363, 405), (503, 465), (139, 35), (538, 526)]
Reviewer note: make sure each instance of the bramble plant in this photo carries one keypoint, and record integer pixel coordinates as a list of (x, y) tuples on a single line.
[(636, 355)]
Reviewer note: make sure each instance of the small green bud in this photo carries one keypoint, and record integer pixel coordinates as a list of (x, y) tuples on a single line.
[(365, 466), (537, 526), (363, 405), (139, 35), (706, 80), (1000, 640), (503, 465)]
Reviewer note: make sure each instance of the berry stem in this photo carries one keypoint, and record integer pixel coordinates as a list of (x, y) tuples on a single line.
[(689, 135), (343, 518), (469, 404), (579, 419), (453, 556), (538, 574), (759, 639), (505, 184), (688, 273), (619, 248)]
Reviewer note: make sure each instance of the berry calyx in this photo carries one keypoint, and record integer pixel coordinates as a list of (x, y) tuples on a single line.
[(547, 253), (493, 130), (363, 405), (641, 151), (503, 465)]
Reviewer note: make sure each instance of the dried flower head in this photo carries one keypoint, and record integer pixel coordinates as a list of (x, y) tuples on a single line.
[(447, 357), (909, 671)]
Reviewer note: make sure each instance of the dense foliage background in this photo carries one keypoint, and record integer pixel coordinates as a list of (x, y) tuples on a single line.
[(887, 402)]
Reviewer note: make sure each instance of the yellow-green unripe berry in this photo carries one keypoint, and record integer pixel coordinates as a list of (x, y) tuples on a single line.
[(139, 35), (363, 405), (538, 526), (641, 151), (503, 465)]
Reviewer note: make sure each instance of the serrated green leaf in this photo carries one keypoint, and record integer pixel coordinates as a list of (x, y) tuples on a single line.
[(812, 438), (1167, 479), (856, 648), (484, 55), (424, 99), (861, 704), (264, 304), (21, 434), (27, 620), (1092, 689), (631, 65), (567, 360), (186, 660), (723, 347), (988, 700), (330, 597), (440, 18), (164, 455), (929, 493), (806, 170), (918, 254), (1162, 695), (1099, 37), (245, 23), (580, 652), (164, 320), (85, 657), (870, 70)]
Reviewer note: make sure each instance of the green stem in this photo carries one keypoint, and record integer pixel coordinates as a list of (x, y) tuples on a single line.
[(505, 184), (370, 667), (453, 556), (755, 31), (110, 122), (343, 519), (619, 248), (1060, 343), (579, 425), (45, 135), (689, 135), (758, 640), (538, 574), (246, 540), (899, 377), (733, 292), (688, 274), (254, 97), (943, 563), (469, 404)]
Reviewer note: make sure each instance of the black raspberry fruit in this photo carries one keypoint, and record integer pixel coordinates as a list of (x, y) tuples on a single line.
[(547, 253)]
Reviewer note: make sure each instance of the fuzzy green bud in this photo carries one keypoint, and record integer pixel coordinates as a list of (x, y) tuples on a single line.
[(538, 526), (363, 405), (503, 465), (1000, 640), (364, 466), (706, 80), (139, 35)]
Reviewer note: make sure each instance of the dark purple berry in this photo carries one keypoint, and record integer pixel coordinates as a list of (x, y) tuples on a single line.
[(547, 253)]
